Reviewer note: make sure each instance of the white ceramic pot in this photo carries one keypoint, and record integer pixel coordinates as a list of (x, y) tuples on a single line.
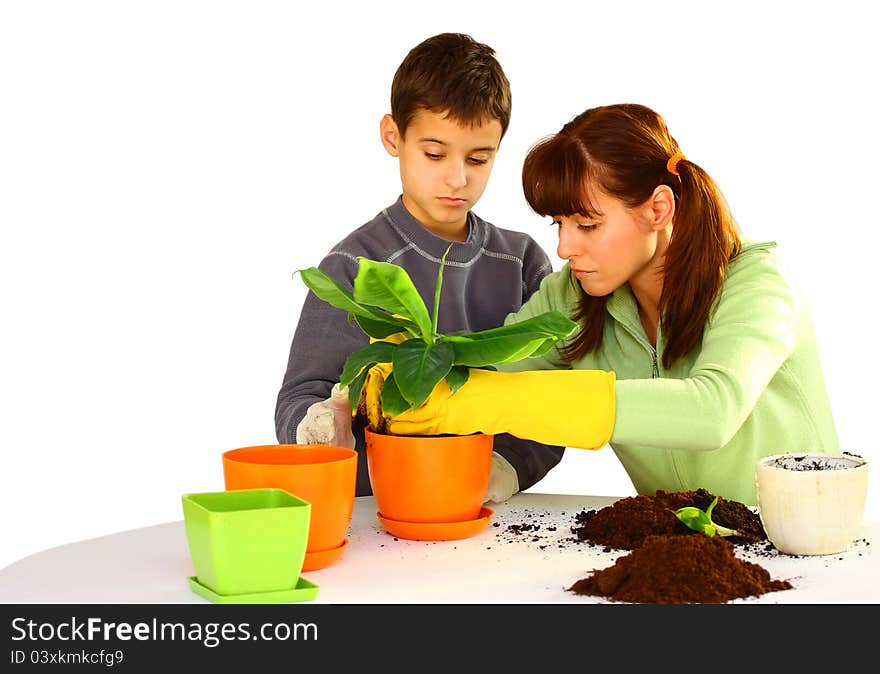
[(811, 504)]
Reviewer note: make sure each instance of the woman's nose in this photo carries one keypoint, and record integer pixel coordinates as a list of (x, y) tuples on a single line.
[(565, 248)]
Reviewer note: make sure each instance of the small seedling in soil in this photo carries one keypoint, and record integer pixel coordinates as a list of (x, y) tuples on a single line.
[(698, 520)]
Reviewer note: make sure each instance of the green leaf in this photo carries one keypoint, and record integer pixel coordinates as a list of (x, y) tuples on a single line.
[(701, 521), (541, 349), (503, 350), (355, 388), (457, 377), (390, 287), (510, 343), (377, 352), (551, 324), (695, 519), (418, 367), (381, 329), (711, 508), (393, 403), (335, 294), (435, 317)]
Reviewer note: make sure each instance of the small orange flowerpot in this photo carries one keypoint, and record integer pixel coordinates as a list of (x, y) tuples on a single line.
[(429, 478), (322, 475)]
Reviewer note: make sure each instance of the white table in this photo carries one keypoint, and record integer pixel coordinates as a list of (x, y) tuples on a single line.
[(151, 565)]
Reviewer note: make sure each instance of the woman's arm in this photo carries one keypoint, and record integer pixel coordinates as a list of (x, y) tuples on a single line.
[(745, 342)]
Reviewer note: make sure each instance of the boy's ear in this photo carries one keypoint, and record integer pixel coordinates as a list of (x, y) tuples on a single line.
[(390, 135)]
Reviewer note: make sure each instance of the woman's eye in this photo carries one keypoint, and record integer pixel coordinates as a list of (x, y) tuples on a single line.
[(476, 161), (584, 227)]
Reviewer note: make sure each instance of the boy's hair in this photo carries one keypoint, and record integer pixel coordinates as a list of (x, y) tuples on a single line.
[(451, 73)]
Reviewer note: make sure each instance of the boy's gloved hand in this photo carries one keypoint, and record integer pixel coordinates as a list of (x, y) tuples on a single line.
[(371, 395), (328, 422), (503, 481), (569, 408)]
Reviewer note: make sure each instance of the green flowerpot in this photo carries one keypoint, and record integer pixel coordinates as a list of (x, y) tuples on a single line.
[(247, 541)]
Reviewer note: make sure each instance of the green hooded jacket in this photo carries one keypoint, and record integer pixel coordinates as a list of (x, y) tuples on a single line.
[(752, 387)]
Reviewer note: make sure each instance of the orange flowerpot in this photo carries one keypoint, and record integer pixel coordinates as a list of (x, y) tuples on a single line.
[(429, 478), (322, 475)]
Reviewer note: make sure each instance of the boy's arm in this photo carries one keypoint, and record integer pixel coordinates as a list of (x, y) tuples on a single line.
[(531, 460), (321, 343)]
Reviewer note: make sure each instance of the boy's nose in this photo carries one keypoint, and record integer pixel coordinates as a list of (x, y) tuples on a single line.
[(456, 176)]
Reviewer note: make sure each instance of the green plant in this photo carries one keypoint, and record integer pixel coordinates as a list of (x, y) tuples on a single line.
[(701, 521), (385, 302)]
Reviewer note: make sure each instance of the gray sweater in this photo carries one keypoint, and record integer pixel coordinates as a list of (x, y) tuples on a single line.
[(485, 278)]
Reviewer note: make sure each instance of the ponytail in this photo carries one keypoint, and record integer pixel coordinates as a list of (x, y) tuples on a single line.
[(704, 241)]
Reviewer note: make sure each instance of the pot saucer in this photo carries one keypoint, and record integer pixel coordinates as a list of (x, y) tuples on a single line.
[(321, 558), (436, 531), (304, 591)]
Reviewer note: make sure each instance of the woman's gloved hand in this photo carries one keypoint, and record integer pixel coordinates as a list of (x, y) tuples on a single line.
[(328, 422), (569, 408), (503, 481)]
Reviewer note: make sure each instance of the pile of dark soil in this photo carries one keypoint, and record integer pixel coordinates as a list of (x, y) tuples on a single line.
[(670, 563), (626, 523), (676, 569)]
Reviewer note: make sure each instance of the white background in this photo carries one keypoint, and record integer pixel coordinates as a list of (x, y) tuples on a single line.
[(166, 166)]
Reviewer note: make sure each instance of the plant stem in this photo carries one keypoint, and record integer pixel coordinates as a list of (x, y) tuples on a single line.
[(434, 318)]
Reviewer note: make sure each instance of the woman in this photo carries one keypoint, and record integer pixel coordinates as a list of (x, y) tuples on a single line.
[(694, 355)]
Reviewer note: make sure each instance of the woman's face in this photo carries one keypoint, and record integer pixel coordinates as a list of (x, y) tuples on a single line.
[(618, 245)]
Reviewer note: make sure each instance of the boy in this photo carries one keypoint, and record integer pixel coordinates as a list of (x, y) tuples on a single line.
[(450, 107)]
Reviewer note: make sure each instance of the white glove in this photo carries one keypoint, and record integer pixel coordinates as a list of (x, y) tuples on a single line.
[(503, 482), (328, 422)]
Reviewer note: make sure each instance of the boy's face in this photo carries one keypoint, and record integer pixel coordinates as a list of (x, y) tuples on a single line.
[(444, 167)]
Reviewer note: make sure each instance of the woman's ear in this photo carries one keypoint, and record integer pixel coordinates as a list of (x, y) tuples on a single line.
[(390, 135), (662, 204)]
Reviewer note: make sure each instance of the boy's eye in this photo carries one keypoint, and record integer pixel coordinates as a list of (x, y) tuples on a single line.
[(431, 155)]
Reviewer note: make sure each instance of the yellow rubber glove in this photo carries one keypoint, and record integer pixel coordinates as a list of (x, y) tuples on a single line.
[(370, 405), (571, 408)]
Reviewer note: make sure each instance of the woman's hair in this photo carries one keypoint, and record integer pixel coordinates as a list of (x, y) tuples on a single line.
[(623, 150)]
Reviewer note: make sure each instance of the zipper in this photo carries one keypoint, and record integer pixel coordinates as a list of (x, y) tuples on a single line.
[(655, 365), (639, 334)]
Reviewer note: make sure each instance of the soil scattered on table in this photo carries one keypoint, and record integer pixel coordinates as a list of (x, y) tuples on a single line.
[(674, 569), (626, 523)]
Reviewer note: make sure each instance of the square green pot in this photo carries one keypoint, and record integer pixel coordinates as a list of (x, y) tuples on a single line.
[(246, 541)]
